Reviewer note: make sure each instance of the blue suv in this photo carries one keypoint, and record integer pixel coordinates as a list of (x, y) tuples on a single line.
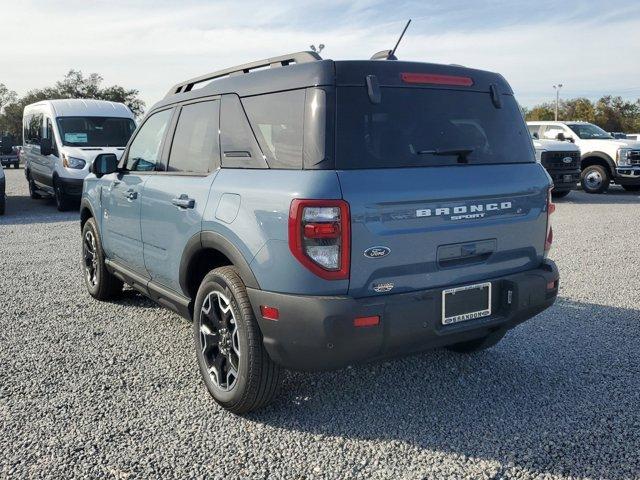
[(310, 214)]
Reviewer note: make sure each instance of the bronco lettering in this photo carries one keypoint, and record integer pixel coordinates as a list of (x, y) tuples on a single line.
[(462, 211)]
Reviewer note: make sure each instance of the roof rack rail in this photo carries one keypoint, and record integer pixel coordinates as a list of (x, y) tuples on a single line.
[(274, 62)]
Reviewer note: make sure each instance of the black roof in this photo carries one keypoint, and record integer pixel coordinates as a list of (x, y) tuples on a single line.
[(309, 70)]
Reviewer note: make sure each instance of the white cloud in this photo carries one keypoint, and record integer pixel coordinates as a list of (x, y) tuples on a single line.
[(152, 45)]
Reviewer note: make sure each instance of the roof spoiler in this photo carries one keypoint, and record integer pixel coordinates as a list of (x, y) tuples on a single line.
[(274, 62)]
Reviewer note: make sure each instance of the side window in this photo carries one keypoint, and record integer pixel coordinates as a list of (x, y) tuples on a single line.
[(48, 133), (195, 147), (277, 120), (239, 146), (33, 129), (534, 130), (144, 152), (551, 131), (25, 129)]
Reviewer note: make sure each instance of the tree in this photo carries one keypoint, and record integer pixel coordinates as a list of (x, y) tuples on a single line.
[(613, 114), (6, 96), (545, 111), (73, 85), (578, 109), (116, 93)]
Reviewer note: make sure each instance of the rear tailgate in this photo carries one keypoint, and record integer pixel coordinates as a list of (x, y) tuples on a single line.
[(443, 226)]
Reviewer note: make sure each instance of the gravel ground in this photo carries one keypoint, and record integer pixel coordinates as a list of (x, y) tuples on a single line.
[(91, 389)]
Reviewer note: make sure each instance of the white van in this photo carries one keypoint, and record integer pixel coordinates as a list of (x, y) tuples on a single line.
[(62, 137)]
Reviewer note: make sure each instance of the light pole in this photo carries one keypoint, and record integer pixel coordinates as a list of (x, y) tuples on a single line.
[(557, 89)]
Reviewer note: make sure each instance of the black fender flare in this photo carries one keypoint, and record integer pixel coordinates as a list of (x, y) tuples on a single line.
[(212, 240), (602, 156), (86, 205)]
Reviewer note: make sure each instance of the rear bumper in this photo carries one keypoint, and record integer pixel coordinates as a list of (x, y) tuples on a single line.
[(317, 333), (71, 186), (6, 160)]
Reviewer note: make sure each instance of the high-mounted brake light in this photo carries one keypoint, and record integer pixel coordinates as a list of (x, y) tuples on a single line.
[(320, 236), (551, 207), (436, 79), (366, 321)]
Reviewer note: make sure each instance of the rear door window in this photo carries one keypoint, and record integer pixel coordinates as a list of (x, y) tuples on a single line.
[(277, 120), (417, 127), (196, 147), (239, 146)]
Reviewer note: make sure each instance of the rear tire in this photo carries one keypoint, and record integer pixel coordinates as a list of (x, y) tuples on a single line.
[(631, 188), (16, 166), (3, 201), (477, 344), (595, 179), (235, 367), (33, 191), (560, 194), (101, 284), (63, 202)]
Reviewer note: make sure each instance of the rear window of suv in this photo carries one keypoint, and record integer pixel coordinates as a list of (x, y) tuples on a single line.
[(419, 127)]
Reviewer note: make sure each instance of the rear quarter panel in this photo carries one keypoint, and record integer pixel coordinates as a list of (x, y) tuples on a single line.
[(260, 228)]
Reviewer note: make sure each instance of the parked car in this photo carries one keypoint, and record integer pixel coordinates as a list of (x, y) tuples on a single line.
[(603, 158), (9, 152), (62, 137), (3, 198), (633, 136), (421, 222), (561, 160)]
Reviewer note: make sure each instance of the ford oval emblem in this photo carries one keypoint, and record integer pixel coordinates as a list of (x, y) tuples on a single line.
[(567, 159), (377, 252)]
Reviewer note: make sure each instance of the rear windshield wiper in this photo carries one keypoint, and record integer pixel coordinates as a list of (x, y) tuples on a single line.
[(462, 153)]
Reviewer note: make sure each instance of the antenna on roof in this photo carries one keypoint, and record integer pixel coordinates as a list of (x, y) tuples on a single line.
[(390, 54)]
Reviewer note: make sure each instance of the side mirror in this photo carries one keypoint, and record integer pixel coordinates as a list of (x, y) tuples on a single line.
[(104, 164), (560, 136), (45, 146)]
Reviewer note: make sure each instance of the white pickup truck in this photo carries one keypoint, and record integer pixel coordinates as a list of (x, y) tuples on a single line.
[(561, 160), (604, 159)]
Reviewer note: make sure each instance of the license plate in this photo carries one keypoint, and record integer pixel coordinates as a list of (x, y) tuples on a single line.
[(567, 178), (466, 303)]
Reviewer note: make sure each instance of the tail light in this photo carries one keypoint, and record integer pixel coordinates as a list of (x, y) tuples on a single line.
[(551, 207), (319, 236)]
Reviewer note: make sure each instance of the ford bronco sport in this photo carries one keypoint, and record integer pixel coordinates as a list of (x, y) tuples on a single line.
[(310, 214)]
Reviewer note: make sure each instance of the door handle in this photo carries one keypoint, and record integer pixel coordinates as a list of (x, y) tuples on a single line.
[(131, 195), (183, 201)]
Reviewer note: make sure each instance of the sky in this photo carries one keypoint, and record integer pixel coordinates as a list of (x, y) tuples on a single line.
[(591, 47)]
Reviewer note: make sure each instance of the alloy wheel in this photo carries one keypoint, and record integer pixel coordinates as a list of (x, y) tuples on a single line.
[(90, 258), (219, 340)]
